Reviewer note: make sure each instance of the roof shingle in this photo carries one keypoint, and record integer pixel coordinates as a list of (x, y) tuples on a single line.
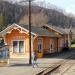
[(39, 31)]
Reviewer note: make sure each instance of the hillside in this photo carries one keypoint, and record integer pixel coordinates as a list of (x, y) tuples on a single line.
[(40, 15)]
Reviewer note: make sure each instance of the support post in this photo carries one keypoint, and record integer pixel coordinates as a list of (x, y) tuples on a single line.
[(30, 32)]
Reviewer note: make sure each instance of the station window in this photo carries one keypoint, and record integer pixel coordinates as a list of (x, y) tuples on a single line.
[(18, 46), (40, 45)]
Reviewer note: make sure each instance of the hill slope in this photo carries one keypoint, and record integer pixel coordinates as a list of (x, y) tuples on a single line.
[(19, 14)]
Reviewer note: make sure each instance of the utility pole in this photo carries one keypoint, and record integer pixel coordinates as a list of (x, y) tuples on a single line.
[(30, 32), (29, 2)]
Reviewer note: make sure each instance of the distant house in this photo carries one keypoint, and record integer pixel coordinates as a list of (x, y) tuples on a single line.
[(73, 33), (42, 40)]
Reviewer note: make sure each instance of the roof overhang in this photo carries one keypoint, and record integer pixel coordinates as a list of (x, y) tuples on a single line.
[(15, 26), (54, 29), (65, 31)]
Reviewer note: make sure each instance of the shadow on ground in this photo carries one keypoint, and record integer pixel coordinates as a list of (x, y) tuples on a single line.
[(68, 54), (19, 65)]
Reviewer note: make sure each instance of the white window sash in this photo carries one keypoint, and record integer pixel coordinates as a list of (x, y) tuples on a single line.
[(40, 43), (18, 50)]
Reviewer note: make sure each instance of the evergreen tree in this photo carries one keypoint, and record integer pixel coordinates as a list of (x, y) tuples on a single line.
[(2, 22)]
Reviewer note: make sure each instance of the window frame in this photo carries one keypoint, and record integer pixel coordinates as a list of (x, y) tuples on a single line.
[(51, 45), (40, 50), (18, 47)]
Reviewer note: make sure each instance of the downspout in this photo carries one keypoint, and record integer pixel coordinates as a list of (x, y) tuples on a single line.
[(69, 41), (32, 40)]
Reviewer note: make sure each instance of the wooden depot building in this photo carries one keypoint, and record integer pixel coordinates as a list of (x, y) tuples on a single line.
[(43, 40)]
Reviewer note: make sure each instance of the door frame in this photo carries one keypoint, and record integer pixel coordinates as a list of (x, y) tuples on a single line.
[(51, 48), (40, 43)]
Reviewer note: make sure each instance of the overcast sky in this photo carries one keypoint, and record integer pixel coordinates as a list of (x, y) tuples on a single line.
[(67, 5)]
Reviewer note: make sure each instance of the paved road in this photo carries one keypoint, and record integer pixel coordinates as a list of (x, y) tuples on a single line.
[(21, 67)]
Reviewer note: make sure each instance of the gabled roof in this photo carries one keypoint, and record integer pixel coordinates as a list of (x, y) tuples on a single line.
[(34, 30), (59, 29), (39, 31), (12, 26)]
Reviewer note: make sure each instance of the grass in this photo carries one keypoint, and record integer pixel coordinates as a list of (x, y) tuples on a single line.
[(72, 45)]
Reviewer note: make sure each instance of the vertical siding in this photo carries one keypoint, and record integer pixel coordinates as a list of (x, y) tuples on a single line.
[(35, 44), (46, 41), (16, 35)]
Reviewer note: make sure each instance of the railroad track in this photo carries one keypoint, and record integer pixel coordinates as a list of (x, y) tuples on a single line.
[(64, 62), (49, 71)]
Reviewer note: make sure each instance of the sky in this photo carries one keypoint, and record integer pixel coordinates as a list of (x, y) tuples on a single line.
[(67, 5)]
